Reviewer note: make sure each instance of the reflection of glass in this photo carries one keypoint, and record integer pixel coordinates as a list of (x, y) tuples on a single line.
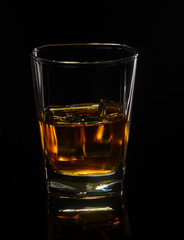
[(83, 95)]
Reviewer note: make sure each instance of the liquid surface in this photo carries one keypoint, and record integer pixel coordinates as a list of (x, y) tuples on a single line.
[(84, 139)]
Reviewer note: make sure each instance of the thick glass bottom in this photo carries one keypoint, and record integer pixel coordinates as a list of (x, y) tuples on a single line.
[(63, 186)]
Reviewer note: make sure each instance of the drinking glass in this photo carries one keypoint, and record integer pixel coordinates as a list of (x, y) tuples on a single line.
[(83, 96)]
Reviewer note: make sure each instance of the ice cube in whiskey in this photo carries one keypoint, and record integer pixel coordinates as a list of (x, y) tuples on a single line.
[(84, 139)]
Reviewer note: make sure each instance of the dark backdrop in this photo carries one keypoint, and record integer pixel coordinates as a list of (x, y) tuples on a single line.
[(154, 179)]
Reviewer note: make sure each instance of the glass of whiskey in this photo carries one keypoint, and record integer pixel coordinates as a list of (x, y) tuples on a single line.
[(83, 96)]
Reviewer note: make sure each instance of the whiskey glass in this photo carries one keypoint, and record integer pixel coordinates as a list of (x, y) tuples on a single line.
[(83, 97)]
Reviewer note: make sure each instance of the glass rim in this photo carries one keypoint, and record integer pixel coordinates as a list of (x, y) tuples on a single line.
[(134, 54)]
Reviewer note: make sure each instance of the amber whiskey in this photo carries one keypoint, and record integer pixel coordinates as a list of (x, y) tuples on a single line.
[(84, 139)]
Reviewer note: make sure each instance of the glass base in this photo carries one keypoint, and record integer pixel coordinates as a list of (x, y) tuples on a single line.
[(87, 187), (87, 190)]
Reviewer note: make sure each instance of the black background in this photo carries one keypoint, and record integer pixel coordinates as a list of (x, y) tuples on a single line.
[(154, 181)]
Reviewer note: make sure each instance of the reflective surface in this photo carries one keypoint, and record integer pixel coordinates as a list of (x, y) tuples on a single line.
[(89, 222)]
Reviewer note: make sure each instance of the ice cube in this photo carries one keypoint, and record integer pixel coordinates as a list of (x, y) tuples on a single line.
[(102, 107), (107, 107)]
